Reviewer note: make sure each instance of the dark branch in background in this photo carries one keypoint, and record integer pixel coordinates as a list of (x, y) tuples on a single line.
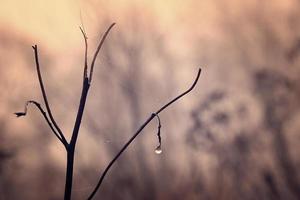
[(19, 114), (138, 132), (63, 139)]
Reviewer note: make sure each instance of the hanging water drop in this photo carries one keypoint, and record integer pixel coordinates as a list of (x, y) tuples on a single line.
[(158, 150)]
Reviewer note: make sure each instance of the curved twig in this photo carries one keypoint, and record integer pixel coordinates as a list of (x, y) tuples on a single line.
[(97, 51), (85, 53), (179, 96), (137, 133)]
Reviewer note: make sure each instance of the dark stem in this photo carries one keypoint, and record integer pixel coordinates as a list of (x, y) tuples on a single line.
[(69, 174), (84, 93), (72, 145), (137, 133), (85, 88)]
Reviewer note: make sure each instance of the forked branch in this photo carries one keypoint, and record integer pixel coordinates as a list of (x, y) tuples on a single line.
[(84, 93), (153, 115)]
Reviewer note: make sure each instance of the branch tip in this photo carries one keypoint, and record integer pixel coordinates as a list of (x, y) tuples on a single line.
[(98, 49), (83, 32), (181, 95)]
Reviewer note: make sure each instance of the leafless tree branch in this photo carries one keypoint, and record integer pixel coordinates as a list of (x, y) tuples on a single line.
[(70, 147), (137, 133), (85, 88)]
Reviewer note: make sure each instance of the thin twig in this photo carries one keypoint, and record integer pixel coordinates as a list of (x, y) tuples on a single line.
[(43, 113), (137, 133), (184, 93), (97, 51), (85, 52), (63, 139)]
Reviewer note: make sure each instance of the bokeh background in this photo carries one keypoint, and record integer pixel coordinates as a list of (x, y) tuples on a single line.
[(236, 136)]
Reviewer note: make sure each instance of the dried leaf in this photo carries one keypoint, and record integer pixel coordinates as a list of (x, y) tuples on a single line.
[(20, 114)]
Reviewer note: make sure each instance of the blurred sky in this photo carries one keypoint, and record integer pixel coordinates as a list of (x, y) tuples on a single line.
[(57, 21)]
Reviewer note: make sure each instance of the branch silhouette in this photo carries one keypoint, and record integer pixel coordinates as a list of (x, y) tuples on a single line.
[(153, 115), (70, 147), (87, 79)]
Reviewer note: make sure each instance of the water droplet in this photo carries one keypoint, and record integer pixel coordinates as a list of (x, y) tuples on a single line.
[(158, 150)]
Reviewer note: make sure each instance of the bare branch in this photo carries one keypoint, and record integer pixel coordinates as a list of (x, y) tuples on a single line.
[(85, 53), (45, 96), (98, 49), (138, 132), (18, 114)]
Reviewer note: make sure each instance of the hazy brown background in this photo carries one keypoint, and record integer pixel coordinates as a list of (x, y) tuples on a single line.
[(235, 137)]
